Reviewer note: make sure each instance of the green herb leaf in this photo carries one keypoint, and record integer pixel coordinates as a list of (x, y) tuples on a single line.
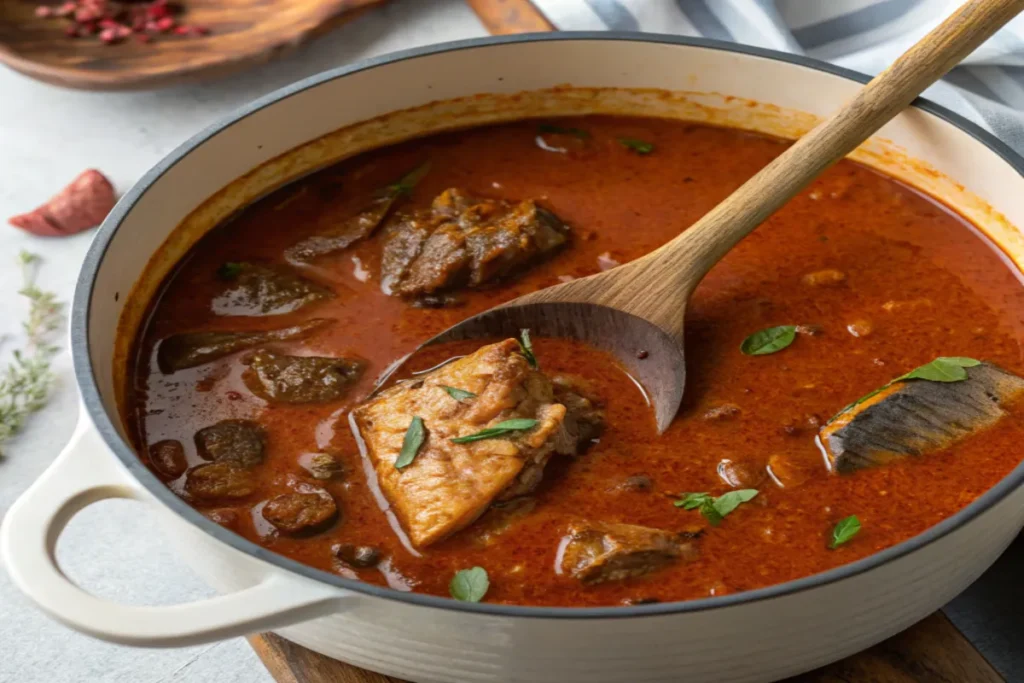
[(458, 394), (575, 132), (767, 341), (526, 347), (469, 585), (414, 436), (406, 183), (689, 501), (638, 146), (714, 509), (26, 381), (500, 429), (844, 531), (230, 270), (727, 502), (942, 369)]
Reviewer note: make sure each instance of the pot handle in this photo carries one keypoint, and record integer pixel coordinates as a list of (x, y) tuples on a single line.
[(85, 473)]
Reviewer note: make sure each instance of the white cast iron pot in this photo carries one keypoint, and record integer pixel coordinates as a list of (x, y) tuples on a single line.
[(755, 636)]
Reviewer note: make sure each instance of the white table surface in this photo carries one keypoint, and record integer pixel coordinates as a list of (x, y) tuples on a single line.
[(47, 136)]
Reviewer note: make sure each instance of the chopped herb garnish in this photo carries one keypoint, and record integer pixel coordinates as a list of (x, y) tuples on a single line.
[(844, 531), (469, 585), (526, 347), (414, 436), (942, 369), (767, 341), (458, 394), (500, 429), (638, 146), (230, 270), (715, 509), (575, 132), (406, 183), (25, 383)]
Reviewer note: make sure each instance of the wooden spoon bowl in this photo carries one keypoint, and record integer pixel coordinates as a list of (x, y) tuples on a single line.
[(242, 33)]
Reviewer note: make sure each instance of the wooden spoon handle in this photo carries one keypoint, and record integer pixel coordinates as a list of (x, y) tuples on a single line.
[(658, 285)]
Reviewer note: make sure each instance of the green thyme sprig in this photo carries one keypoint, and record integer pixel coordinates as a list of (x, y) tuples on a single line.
[(26, 381)]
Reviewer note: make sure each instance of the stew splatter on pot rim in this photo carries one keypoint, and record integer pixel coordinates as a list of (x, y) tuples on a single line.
[(86, 376)]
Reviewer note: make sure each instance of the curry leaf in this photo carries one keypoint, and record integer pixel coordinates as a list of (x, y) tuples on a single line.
[(767, 341), (500, 429), (458, 394), (689, 501), (229, 271), (559, 130), (414, 436), (714, 509), (469, 585), (942, 369), (406, 183), (727, 502), (638, 146), (845, 530), (526, 347)]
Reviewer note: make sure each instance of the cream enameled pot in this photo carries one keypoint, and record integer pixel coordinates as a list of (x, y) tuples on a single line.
[(755, 636)]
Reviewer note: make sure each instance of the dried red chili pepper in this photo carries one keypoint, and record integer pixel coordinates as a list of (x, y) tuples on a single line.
[(83, 204), (112, 22)]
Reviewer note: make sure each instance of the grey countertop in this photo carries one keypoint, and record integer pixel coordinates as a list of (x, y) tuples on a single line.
[(47, 136)]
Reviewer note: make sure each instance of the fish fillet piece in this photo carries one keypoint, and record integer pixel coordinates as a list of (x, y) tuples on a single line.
[(448, 485)]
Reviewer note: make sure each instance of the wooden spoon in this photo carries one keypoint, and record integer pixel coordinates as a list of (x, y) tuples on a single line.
[(636, 310)]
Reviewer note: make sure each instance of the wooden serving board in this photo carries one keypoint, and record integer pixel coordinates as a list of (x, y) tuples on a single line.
[(932, 651)]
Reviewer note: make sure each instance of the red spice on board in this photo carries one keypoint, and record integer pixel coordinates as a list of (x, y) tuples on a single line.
[(114, 21), (83, 204)]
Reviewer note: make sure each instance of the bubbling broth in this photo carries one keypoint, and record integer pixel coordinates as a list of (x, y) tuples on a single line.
[(538, 460)]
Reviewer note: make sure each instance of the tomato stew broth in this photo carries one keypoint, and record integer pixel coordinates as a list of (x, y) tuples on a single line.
[(918, 282)]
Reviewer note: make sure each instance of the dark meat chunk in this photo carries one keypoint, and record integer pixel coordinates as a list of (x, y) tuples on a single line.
[(301, 379), (584, 418), (600, 552), (257, 290), (168, 458), (359, 556), (638, 483), (190, 349), (240, 442), (913, 417), (449, 484), (301, 513), (741, 474), (360, 226), (466, 241), (321, 465), (219, 481)]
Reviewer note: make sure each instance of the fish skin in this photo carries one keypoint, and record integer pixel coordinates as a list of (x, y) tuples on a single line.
[(914, 417)]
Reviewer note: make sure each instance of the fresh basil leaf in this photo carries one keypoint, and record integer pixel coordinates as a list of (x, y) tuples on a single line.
[(406, 183), (230, 270), (458, 394), (469, 585), (638, 146), (767, 341), (711, 513), (500, 429), (845, 530), (526, 347), (559, 130), (689, 501), (727, 502), (414, 436)]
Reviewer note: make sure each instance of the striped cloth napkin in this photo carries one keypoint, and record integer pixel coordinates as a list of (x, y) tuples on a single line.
[(864, 35)]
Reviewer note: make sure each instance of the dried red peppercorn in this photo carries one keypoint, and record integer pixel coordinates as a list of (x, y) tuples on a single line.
[(112, 21)]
